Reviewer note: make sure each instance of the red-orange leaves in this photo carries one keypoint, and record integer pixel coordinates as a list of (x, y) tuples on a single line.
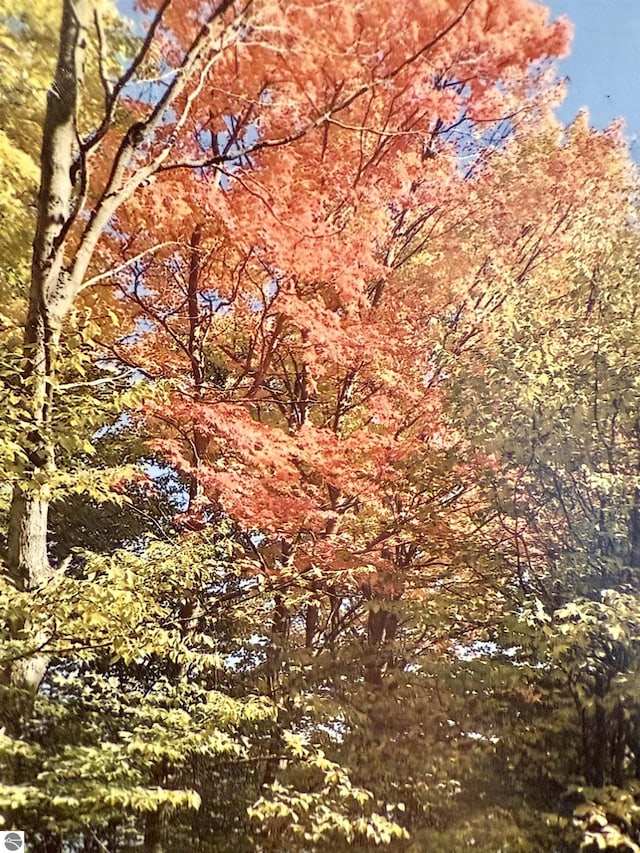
[(318, 147), (277, 482)]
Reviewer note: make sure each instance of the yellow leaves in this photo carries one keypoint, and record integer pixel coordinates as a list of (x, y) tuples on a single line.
[(19, 173), (28, 34), (135, 799), (295, 745), (19, 177), (303, 813), (19, 797), (607, 818)]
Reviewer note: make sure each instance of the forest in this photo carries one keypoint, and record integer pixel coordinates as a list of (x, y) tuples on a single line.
[(319, 432)]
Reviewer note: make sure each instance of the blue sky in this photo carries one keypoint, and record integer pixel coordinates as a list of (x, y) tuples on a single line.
[(604, 66)]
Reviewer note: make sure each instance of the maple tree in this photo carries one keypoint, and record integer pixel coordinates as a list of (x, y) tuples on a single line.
[(292, 391)]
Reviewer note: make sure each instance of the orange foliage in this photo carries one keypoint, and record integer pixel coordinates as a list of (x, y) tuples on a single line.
[(275, 286)]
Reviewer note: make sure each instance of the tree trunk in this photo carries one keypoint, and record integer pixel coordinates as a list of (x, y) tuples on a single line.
[(156, 830), (634, 531), (196, 358), (50, 298), (618, 745), (600, 738), (381, 630)]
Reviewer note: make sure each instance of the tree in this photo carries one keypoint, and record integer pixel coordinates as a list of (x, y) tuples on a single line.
[(271, 410), (558, 408)]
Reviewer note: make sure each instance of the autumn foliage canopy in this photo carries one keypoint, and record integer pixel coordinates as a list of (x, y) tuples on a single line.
[(306, 287), (325, 148)]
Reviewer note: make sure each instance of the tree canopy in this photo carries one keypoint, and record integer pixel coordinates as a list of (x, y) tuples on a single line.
[(319, 423)]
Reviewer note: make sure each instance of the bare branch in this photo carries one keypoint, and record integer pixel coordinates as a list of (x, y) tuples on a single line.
[(113, 95), (115, 270), (92, 383)]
